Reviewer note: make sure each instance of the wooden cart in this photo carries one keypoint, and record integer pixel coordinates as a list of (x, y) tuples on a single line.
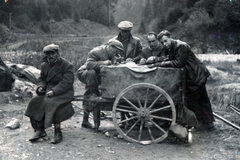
[(143, 101)]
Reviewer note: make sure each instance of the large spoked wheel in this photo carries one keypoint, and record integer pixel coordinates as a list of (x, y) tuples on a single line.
[(143, 113)]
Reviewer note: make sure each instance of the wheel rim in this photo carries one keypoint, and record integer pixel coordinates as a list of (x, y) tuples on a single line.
[(149, 112)]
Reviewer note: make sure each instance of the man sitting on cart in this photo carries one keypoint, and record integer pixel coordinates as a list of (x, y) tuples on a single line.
[(55, 91), (89, 72), (180, 55)]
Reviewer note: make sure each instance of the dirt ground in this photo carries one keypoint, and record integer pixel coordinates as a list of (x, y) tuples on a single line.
[(80, 143)]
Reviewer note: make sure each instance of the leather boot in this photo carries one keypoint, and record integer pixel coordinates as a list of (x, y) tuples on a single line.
[(57, 136), (40, 133), (96, 118), (85, 122)]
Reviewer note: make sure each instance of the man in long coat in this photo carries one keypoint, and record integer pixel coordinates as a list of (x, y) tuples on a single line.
[(55, 93), (181, 55)]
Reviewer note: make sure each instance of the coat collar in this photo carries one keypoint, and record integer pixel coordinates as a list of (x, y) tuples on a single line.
[(131, 44), (56, 69)]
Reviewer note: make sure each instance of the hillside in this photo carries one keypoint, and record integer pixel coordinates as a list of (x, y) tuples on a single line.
[(63, 28), (205, 24)]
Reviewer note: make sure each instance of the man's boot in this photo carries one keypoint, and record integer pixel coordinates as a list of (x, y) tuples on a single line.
[(57, 134), (39, 133), (96, 118), (85, 122)]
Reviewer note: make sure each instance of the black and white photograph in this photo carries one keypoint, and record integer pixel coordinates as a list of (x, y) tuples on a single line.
[(120, 80)]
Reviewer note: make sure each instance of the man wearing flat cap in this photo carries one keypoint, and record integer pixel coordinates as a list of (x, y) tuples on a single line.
[(132, 45), (181, 56), (52, 105), (89, 73)]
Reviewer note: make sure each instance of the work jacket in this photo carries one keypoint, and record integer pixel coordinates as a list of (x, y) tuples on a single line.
[(134, 47), (148, 52), (96, 57), (181, 56)]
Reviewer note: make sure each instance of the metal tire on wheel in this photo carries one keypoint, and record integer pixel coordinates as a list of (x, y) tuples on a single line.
[(149, 113)]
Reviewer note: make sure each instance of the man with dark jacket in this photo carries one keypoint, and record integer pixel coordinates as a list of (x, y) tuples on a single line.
[(154, 52), (55, 93), (180, 55), (89, 73), (132, 45)]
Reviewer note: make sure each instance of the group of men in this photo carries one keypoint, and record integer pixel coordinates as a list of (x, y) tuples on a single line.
[(55, 90)]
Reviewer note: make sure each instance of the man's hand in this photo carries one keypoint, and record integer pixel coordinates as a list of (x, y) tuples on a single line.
[(50, 93), (160, 59), (107, 62), (142, 61), (129, 60), (151, 65), (40, 89), (159, 64), (117, 59), (151, 59)]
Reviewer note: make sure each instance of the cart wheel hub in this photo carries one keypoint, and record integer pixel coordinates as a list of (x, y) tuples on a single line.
[(143, 113)]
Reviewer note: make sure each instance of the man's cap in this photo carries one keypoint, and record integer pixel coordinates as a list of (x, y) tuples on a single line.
[(116, 43), (125, 25), (163, 33), (51, 47)]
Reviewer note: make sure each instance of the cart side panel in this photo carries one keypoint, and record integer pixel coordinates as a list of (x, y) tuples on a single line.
[(115, 79)]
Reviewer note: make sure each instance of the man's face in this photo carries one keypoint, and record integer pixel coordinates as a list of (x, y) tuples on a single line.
[(166, 41), (113, 51), (125, 33), (51, 56), (152, 41)]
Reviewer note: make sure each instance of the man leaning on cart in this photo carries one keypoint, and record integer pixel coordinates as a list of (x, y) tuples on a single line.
[(154, 52), (181, 56), (89, 72)]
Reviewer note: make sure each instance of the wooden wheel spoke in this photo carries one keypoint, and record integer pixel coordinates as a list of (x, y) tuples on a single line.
[(128, 119), (162, 118), (159, 109), (146, 99), (137, 97), (132, 127), (140, 131), (156, 125), (124, 107), (130, 103), (154, 102), (149, 131), (125, 110)]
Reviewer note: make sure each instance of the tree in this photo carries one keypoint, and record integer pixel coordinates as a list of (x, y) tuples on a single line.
[(142, 28), (148, 16)]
